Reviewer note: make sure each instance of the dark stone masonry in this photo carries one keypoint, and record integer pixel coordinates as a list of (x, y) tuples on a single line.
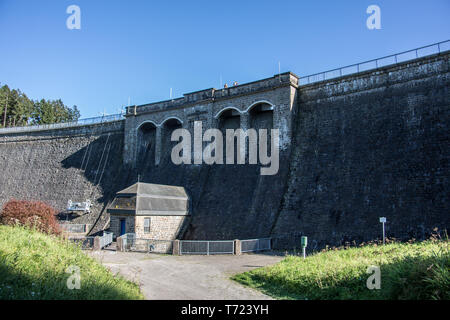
[(352, 149)]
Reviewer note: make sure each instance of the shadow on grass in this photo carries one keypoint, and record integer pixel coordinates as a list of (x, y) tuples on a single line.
[(53, 286)]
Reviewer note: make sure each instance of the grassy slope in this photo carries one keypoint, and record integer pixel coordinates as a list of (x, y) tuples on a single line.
[(408, 271), (33, 265)]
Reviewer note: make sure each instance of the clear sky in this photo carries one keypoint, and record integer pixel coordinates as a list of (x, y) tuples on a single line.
[(141, 49)]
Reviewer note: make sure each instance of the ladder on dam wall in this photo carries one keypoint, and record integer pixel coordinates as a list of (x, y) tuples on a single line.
[(82, 208)]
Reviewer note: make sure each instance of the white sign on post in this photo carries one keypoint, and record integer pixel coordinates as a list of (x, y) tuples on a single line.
[(383, 221)]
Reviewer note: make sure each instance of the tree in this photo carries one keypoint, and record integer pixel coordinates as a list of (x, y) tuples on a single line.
[(53, 111), (16, 109)]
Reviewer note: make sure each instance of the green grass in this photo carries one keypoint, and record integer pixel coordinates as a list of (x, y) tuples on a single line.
[(33, 266), (418, 270)]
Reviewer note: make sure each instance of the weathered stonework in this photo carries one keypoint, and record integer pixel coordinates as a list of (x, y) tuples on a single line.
[(369, 145), (130, 222), (58, 165), (353, 148), (207, 105), (161, 227)]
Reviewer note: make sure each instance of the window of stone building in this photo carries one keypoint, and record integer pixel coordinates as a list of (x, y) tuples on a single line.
[(146, 225)]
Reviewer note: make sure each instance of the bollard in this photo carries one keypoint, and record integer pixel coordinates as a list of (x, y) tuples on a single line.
[(237, 247), (119, 244), (96, 244), (176, 248)]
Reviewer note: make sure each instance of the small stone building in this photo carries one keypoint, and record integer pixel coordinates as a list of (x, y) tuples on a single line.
[(151, 211)]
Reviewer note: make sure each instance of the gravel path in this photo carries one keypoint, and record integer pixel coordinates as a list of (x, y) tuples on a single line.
[(167, 277)]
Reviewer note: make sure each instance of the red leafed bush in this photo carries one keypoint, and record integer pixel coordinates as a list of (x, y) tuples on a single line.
[(34, 214)]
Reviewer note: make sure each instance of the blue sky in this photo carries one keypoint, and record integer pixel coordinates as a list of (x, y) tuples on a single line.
[(141, 49)]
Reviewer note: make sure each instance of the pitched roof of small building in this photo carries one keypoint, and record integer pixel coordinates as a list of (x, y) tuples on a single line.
[(151, 199)]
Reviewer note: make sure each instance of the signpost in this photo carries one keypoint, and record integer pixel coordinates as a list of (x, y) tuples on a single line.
[(383, 221), (304, 241)]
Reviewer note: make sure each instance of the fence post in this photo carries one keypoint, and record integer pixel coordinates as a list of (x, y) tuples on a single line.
[(97, 245), (176, 248), (207, 248), (119, 244), (237, 247)]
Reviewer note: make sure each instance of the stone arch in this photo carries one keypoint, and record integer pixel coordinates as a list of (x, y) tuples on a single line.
[(225, 110), (261, 115), (171, 118), (145, 122), (260, 102), (168, 126), (146, 143), (229, 118)]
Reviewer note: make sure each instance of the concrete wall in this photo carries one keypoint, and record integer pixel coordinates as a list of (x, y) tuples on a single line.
[(370, 145)]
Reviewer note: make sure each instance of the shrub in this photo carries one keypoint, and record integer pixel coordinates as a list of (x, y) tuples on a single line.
[(33, 214)]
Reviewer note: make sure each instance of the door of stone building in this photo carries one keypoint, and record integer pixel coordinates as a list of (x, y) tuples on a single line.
[(122, 227)]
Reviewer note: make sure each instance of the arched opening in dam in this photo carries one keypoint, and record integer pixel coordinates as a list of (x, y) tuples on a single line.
[(167, 128), (229, 119), (146, 144), (261, 116)]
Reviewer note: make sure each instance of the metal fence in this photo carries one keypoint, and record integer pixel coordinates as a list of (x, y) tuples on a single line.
[(128, 240), (254, 245), (192, 247), (74, 228), (106, 239), (206, 247), (377, 63), (78, 123), (86, 243)]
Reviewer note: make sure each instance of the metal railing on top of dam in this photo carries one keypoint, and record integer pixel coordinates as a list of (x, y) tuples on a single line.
[(377, 63), (78, 123)]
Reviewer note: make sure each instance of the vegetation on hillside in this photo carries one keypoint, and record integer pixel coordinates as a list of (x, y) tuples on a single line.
[(414, 270), (34, 265), (16, 109), (34, 214)]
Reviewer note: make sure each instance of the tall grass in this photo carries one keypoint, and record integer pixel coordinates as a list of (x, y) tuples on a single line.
[(33, 266), (415, 270)]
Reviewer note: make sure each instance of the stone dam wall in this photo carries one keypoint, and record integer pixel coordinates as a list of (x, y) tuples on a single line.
[(359, 147), (57, 165), (370, 145)]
